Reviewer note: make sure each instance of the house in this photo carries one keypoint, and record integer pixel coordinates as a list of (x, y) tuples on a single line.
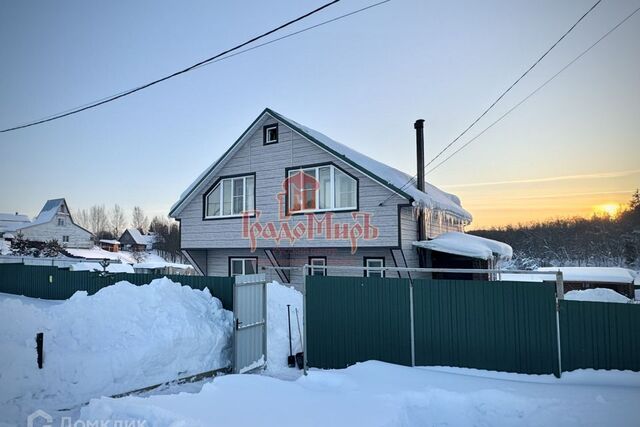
[(285, 195), (132, 239), (109, 245), (54, 222), (9, 223)]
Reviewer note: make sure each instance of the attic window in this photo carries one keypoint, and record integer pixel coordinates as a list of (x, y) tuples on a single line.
[(60, 222), (231, 196), (270, 134)]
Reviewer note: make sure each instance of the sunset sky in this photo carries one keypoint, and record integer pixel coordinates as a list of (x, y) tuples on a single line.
[(569, 150)]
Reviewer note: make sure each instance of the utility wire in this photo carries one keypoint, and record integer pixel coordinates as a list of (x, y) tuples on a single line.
[(584, 52), (167, 77), (501, 95)]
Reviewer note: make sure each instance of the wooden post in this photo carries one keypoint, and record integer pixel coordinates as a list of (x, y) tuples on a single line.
[(39, 344)]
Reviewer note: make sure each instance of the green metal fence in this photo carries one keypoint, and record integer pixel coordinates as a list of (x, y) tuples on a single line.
[(351, 320), (58, 284), (502, 326), (600, 335)]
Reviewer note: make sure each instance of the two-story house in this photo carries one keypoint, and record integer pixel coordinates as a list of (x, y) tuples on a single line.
[(54, 222), (286, 195)]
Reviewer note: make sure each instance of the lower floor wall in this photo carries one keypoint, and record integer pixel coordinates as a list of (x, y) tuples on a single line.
[(218, 261)]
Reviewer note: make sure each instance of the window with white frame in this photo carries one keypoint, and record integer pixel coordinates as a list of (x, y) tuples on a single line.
[(60, 222), (321, 188), (231, 197), (238, 266), (372, 264), (270, 134), (320, 262)]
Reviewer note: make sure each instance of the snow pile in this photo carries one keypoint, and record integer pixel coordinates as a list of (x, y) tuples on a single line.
[(98, 254), (278, 296), (94, 266), (468, 245), (594, 274), (597, 295), (379, 394), (161, 264), (122, 338)]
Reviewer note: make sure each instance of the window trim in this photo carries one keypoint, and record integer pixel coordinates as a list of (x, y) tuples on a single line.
[(314, 211), (244, 258), (323, 258), (205, 196), (365, 261), (265, 132), (60, 222), (63, 239)]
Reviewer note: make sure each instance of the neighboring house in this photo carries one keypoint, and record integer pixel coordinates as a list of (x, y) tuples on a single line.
[(9, 223), (55, 222), (286, 195), (135, 241), (109, 245)]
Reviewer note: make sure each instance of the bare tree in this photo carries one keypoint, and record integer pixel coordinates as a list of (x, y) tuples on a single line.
[(81, 218), (118, 220), (139, 220), (98, 219)]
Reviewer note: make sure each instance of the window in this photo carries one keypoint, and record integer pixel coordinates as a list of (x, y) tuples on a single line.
[(65, 239), (60, 222), (374, 263), (270, 134), (243, 266), (321, 188), (231, 197), (319, 261)]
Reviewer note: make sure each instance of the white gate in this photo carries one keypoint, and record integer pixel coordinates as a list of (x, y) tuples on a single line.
[(250, 317)]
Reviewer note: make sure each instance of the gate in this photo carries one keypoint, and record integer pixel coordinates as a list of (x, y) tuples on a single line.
[(250, 323)]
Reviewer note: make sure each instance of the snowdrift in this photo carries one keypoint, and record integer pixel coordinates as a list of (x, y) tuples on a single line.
[(121, 338), (596, 295), (278, 296)]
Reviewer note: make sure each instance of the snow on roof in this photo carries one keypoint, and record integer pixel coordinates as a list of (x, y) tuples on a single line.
[(594, 274), (141, 239), (48, 211), (396, 180), (109, 241), (468, 245), (11, 217), (597, 295)]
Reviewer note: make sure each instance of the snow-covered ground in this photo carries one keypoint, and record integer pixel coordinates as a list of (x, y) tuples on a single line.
[(122, 338), (94, 266), (597, 295), (380, 394)]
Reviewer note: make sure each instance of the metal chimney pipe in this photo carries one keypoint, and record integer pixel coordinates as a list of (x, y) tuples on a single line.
[(419, 127)]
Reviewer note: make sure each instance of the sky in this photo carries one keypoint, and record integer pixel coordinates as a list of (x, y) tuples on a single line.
[(363, 81)]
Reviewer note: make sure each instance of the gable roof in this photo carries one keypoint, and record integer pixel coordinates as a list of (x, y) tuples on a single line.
[(394, 179), (12, 222), (48, 213), (139, 238)]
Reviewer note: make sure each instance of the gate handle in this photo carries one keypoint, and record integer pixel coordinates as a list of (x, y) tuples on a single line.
[(238, 323)]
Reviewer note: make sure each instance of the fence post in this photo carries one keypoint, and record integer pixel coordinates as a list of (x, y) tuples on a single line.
[(304, 318), (559, 296), (411, 314)]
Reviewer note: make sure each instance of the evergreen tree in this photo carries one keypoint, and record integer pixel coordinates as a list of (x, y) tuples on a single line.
[(20, 245), (51, 248)]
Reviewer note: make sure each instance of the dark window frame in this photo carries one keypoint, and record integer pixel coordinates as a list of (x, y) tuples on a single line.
[(324, 270), (374, 258), (265, 131), (230, 258), (215, 184), (319, 212)]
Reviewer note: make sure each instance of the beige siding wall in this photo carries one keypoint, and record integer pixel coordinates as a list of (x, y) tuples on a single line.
[(78, 237), (269, 163)]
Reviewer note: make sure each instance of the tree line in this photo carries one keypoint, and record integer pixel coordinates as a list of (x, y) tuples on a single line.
[(601, 240)]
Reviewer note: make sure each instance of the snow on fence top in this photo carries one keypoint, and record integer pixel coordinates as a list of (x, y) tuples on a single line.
[(94, 266), (468, 245), (594, 274)]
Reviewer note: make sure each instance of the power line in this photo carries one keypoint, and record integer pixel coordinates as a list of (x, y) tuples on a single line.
[(167, 77), (584, 52), (502, 95)]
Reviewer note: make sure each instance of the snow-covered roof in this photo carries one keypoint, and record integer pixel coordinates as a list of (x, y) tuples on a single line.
[(13, 221), (141, 239), (394, 179), (594, 274), (48, 211), (468, 245), (597, 295), (94, 266), (14, 217), (109, 241)]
